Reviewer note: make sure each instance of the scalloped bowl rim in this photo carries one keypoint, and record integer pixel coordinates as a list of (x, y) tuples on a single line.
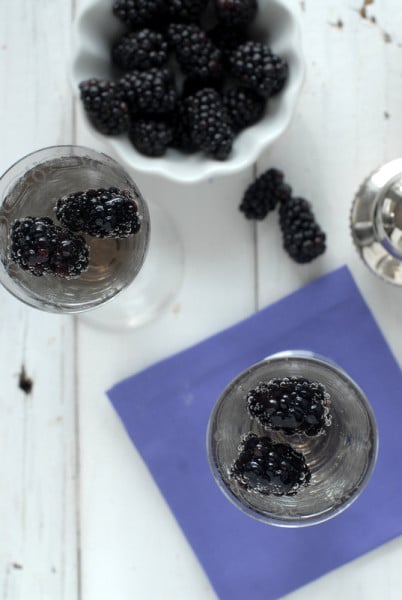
[(176, 166)]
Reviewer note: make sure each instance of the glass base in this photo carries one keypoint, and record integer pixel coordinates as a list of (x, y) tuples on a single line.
[(156, 286)]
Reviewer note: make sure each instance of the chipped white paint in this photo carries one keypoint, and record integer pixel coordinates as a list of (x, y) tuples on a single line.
[(93, 526)]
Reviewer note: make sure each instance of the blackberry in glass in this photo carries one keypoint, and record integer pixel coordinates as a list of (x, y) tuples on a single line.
[(292, 441), (50, 259)]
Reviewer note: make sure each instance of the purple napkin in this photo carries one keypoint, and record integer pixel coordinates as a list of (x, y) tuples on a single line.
[(165, 410)]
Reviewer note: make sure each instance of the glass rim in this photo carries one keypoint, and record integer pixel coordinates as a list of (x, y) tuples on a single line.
[(54, 147)]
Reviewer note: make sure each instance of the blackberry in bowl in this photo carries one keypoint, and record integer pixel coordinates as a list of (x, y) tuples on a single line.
[(292, 440), (207, 47)]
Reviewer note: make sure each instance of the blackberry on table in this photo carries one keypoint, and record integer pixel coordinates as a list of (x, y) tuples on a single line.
[(264, 194), (244, 107), (291, 405), (149, 92), (104, 105), (137, 13), (209, 125), (303, 238), (257, 67), (267, 468), (194, 51), (101, 213), (235, 13), (42, 248), (151, 136), (185, 10), (141, 50)]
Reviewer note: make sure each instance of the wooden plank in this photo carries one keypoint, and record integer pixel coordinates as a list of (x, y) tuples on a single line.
[(38, 529), (128, 534), (346, 125)]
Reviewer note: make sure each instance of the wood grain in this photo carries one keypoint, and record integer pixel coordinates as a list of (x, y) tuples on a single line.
[(38, 525)]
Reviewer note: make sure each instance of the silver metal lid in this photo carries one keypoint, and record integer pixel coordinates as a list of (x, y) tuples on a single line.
[(376, 222)]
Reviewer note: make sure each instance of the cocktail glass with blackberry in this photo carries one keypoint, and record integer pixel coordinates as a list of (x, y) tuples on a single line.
[(74, 233), (292, 441), (376, 221)]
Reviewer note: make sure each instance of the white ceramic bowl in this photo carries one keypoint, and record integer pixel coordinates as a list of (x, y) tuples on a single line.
[(96, 28)]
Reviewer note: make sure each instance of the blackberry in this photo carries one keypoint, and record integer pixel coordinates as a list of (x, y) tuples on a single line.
[(151, 136), (263, 194), (235, 13), (209, 126), (192, 85), (226, 38), (140, 50), (42, 248), (137, 13), (182, 139), (244, 107), (149, 92), (185, 10), (70, 257), (194, 51), (281, 73), (102, 213), (94, 92), (290, 404), (266, 468), (104, 105), (257, 67), (303, 238)]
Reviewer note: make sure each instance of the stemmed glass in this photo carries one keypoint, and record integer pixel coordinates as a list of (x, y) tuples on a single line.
[(340, 459), (32, 186)]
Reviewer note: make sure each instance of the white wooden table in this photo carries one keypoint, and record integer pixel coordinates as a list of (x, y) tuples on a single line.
[(80, 517)]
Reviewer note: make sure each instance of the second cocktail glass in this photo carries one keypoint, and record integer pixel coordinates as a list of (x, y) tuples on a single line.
[(339, 460)]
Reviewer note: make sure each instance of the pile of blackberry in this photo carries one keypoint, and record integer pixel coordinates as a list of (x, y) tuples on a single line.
[(41, 247), (303, 238), (177, 51)]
